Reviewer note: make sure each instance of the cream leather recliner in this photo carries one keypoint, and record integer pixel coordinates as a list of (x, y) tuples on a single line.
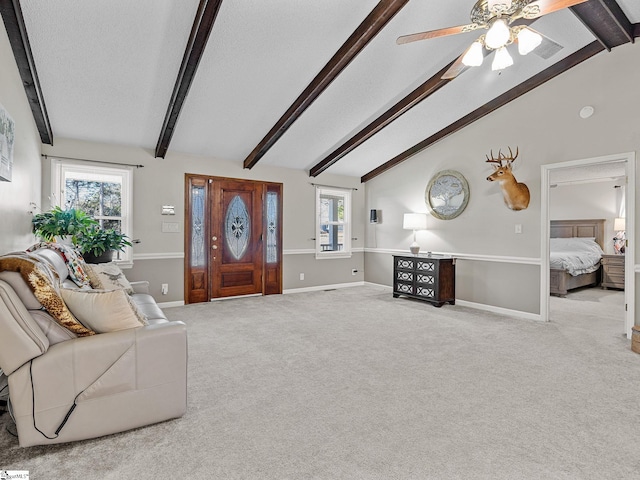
[(64, 388)]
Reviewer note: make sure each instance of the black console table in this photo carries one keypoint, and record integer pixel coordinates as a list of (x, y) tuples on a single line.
[(431, 278)]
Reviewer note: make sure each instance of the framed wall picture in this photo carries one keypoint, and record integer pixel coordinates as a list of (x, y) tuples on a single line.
[(7, 137), (447, 194)]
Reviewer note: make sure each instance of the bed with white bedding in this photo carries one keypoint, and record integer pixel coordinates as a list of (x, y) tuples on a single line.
[(575, 254)]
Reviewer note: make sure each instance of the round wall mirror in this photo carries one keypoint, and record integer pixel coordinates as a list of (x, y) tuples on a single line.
[(447, 194)]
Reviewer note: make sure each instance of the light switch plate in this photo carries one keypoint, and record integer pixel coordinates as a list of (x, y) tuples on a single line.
[(170, 227)]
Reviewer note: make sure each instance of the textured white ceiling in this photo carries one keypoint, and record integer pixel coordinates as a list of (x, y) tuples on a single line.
[(466, 93), (631, 8), (108, 67), (260, 57)]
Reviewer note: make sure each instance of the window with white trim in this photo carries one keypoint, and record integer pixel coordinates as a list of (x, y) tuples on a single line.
[(103, 192), (333, 222)]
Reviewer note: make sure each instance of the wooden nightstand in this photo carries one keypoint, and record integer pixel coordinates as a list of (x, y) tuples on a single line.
[(613, 271)]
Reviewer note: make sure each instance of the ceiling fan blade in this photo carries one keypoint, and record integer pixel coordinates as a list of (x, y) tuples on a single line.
[(436, 33), (542, 7), (547, 48)]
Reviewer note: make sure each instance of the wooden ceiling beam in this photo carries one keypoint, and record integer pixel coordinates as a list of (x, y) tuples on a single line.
[(421, 93), (606, 21), (200, 31), (528, 85), (429, 87), (368, 29), (19, 40)]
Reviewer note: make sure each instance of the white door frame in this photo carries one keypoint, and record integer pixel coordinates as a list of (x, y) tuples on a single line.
[(630, 208)]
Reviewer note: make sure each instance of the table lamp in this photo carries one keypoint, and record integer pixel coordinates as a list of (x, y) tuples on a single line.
[(415, 222)]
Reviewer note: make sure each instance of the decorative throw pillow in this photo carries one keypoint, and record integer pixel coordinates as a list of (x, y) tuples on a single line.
[(48, 297), (142, 318), (73, 260), (108, 276), (42, 279), (102, 310)]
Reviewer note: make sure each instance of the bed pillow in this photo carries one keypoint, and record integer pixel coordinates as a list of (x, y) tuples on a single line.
[(103, 310), (575, 244), (107, 276)]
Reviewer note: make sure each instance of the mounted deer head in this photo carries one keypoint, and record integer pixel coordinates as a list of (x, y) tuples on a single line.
[(516, 195)]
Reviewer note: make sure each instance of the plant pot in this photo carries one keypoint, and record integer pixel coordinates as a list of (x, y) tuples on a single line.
[(106, 257)]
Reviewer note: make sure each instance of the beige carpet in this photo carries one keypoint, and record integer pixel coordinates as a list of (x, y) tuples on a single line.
[(353, 384)]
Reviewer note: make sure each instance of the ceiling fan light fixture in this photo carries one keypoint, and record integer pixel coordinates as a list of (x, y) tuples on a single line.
[(528, 40), (498, 35), (502, 59), (474, 56), (498, 6)]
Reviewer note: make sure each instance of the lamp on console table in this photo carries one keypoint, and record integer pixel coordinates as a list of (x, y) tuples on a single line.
[(415, 222)]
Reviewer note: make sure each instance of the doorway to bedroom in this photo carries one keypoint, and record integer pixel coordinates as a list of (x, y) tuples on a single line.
[(594, 190)]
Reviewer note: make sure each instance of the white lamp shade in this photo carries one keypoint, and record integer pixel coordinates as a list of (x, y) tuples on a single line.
[(528, 40), (498, 35), (415, 221), (473, 57), (502, 59), (619, 224)]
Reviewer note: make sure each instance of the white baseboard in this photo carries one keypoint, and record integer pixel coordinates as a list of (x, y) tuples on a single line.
[(462, 303), (177, 303), (323, 287), (388, 287), (290, 290), (481, 306), (499, 310)]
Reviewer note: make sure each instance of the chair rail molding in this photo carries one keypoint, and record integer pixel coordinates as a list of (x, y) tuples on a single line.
[(465, 256)]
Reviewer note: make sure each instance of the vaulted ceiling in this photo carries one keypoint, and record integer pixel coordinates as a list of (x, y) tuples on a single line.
[(317, 86)]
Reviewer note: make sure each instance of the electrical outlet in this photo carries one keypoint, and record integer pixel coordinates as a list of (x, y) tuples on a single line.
[(354, 271), (165, 288), (518, 228), (302, 276)]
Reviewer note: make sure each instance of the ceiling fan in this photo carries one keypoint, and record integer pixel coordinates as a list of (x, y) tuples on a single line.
[(506, 23)]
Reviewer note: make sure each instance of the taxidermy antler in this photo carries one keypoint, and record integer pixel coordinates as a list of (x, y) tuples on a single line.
[(516, 194)]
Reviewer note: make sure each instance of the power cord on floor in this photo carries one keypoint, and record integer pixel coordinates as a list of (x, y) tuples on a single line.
[(3, 403), (11, 427), (33, 408)]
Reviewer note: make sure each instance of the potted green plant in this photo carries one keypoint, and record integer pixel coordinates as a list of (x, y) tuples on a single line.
[(58, 224), (97, 245)]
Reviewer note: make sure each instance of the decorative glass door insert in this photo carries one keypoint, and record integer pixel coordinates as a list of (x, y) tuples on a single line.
[(197, 226), (272, 227), (237, 227)]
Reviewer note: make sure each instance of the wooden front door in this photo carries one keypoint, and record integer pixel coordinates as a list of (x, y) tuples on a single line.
[(233, 239), (236, 234)]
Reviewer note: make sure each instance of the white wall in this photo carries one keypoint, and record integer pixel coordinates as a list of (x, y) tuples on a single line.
[(15, 196), (546, 127)]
